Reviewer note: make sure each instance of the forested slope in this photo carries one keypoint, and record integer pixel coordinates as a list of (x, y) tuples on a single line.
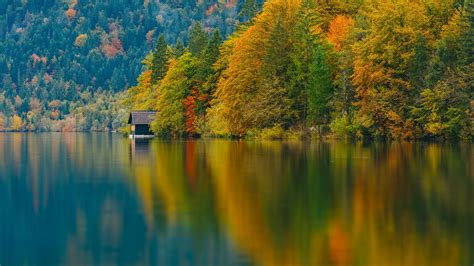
[(363, 68), (62, 61)]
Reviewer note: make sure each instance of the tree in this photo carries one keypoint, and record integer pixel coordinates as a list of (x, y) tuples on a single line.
[(239, 79), (70, 13), (320, 86), (249, 9), (212, 48), (338, 31), (16, 123), (198, 40), (467, 37), (216, 124), (342, 36), (80, 40), (160, 60), (444, 111), (271, 105), (178, 49), (2, 121), (302, 57), (175, 87), (382, 63), (449, 49)]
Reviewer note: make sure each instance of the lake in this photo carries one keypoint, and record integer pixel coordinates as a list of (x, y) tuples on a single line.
[(101, 199)]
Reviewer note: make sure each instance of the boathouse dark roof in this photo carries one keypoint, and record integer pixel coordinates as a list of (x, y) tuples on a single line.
[(141, 117)]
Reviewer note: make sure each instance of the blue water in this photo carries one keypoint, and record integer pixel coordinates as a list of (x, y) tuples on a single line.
[(101, 199)]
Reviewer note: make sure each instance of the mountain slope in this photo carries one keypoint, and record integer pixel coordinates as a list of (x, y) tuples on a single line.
[(52, 52)]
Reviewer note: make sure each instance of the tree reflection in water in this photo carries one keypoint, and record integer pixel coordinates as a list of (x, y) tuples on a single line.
[(102, 199), (321, 203)]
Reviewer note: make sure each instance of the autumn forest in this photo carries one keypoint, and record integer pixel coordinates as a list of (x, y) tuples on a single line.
[(281, 69)]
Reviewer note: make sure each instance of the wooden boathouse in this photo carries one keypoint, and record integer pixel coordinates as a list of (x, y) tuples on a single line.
[(139, 122)]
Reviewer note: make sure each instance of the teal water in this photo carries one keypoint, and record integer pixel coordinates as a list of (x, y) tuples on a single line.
[(101, 199)]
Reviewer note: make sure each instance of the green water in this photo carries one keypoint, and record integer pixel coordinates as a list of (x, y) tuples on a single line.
[(100, 199)]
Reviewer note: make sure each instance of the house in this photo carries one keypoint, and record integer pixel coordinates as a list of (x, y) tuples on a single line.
[(139, 122)]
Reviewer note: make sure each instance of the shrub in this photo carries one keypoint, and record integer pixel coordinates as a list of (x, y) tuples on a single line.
[(341, 127)]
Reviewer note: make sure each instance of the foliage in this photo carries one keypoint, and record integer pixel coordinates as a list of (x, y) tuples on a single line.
[(60, 50), (160, 60), (373, 68), (171, 118), (274, 133), (198, 40), (17, 123), (182, 96), (443, 110), (384, 69), (342, 127), (320, 83)]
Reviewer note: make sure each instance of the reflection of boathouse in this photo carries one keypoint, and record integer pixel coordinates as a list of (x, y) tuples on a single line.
[(139, 150), (139, 122)]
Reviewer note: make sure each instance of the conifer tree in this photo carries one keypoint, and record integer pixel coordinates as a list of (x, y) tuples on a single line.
[(179, 48), (302, 57), (206, 71), (467, 38), (212, 48), (160, 60), (320, 86), (249, 9), (198, 40)]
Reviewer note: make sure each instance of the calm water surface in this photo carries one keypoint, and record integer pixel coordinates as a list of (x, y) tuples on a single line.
[(100, 199)]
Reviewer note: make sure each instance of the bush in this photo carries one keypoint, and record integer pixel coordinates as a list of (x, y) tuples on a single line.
[(341, 127), (273, 133)]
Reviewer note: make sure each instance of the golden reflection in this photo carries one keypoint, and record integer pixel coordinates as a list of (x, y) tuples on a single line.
[(320, 203), (276, 203)]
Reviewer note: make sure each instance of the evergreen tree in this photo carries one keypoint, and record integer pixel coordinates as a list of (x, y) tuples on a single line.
[(178, 49), (160, 60), (320, 86), (205, 74), (467, 38), (249, 9), (198, 40), (418, 65), (212, 48), (302, 56)]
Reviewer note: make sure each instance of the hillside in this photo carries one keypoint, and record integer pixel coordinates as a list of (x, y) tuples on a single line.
[(294, 68), (361, 69), (59, 57)]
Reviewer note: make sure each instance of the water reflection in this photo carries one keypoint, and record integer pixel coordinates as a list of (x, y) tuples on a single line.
[(102, 199)]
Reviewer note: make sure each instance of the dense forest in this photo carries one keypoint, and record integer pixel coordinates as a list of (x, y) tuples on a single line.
[(63, 63), (287, 69), (357, 68)]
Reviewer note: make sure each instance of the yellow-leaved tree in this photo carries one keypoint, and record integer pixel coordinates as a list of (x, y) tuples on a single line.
[(339, 29), (395, 37), (242, 83), (16, 123), (2, 121)]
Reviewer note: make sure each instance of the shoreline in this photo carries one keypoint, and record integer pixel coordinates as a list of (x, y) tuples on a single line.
[(292, 138)]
